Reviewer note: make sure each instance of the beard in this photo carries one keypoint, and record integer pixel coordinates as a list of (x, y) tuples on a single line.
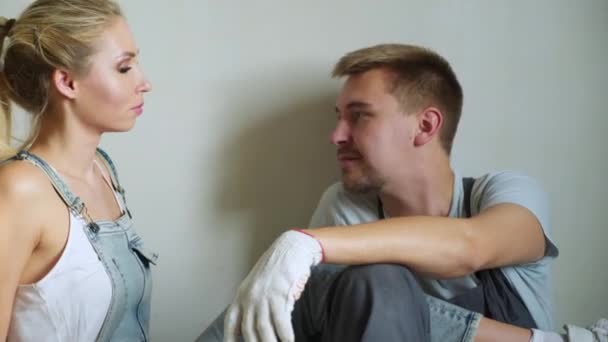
[(361, 180)]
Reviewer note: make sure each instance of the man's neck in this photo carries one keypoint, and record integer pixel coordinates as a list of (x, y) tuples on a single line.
[(426, 192)]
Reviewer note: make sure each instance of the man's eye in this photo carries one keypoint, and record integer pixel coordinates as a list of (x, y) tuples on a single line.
[(358, 115), (124, 70)]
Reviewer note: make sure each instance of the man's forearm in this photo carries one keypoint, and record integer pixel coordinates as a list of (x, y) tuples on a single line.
[(493, 331), (435, 246)]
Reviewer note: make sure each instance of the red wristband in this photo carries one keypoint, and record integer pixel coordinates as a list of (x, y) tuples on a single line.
[(314, 237)]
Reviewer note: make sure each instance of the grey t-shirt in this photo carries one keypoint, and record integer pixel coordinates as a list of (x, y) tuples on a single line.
[(532, 280)]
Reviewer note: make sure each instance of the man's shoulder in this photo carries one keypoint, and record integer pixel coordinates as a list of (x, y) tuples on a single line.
[(506, 183), (504, 176), (511, 187)]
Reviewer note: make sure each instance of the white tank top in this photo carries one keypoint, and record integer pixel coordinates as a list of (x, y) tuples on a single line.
[(70, 303)]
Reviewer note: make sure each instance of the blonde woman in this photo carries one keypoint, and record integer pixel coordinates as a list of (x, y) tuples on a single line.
[(72, 267)]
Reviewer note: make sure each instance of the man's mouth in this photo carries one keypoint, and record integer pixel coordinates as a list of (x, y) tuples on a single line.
[(347, 158)]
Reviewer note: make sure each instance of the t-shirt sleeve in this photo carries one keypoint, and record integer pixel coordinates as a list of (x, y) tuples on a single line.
[(515, 188)]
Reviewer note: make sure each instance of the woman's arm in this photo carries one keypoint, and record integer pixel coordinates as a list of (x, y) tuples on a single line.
[(19, 236)]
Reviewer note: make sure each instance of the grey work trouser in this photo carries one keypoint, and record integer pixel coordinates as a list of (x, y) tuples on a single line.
[(380, 302)]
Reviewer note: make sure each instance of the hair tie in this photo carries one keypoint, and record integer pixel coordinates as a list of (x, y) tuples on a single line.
[(8, 25)]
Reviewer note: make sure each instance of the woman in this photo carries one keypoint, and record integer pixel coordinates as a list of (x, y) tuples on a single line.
[(80, 274)]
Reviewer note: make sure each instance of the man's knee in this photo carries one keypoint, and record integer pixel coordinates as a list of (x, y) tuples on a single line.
[(385, 277), (383, 300)]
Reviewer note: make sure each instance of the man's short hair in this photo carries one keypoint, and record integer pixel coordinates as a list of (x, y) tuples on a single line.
[(421, 78)]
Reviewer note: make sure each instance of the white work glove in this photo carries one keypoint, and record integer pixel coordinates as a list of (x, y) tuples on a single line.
[(546, 336), (261, 310), (597, 332)]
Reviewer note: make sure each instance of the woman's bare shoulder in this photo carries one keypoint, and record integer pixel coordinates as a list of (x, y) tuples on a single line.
[(22, 184)]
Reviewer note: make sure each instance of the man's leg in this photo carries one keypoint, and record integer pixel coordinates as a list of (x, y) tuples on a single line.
[(376, 303), (310, 311), (451, 323), (350, 291)]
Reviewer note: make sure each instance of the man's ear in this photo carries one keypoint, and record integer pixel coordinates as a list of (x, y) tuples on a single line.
[(429, 123), (64, 82)]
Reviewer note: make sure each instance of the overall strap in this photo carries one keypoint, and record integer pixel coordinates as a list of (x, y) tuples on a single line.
[(467, 187), (114, 177), (110, 165), (380, 209)]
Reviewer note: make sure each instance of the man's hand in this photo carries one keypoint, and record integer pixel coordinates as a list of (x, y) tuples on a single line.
[(262, 308)]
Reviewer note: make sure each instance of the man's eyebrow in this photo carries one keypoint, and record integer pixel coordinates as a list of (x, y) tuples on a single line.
[(355, 105), (358, 105)]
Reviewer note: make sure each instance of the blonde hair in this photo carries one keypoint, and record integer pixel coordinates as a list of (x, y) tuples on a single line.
[(49, 35), (420, 78)]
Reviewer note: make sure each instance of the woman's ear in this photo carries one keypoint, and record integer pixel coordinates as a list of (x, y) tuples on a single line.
[(64, 82)]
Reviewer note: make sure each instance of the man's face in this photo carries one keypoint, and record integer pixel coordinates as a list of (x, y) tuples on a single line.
[(373, 135)]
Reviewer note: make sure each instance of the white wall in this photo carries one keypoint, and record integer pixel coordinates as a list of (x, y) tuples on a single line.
[(232, 148)]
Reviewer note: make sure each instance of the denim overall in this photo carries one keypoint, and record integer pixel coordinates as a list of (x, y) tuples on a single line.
[(122, 253)]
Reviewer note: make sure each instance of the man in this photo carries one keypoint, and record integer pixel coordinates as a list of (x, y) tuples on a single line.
[(436, 251)]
